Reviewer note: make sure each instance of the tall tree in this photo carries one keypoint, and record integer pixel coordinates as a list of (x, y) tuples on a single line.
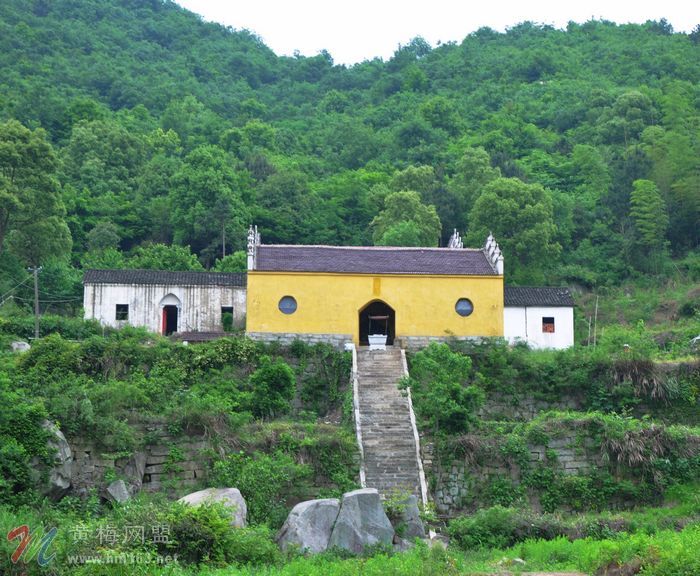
[(473, 171), (207, 205), (31, 210), (405, 217), (521, 217), (648, 212)]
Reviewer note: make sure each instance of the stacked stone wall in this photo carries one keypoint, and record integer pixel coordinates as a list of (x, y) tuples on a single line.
[(166, 463), (458, 484), (286, 338)]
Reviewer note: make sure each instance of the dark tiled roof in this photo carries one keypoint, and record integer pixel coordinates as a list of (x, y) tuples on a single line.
[(540, 296), (162, 277), (372, 260)]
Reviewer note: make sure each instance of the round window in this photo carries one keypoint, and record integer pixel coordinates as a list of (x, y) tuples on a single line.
[(464, 307), (287, 305)]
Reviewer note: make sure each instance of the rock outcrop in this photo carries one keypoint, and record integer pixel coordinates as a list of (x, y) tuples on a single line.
[(59, 475), (309, 525), (361, 522), (411, 524), (356, 521), (229, 497)]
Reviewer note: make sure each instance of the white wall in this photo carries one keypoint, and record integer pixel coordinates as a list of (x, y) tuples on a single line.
[(200, 306), (525, 324)]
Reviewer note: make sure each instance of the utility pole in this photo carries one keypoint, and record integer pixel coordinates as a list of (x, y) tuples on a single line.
[(588, 342), (223, 237), (595, 323), (35, 270)]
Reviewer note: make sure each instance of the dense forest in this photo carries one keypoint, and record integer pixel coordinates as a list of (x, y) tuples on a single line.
[(132, 133)]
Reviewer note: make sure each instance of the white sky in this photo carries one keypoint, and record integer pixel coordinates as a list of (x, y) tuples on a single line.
[(364, 29)]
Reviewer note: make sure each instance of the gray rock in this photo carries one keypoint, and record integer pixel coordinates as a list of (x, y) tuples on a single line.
[(118, 492), (361, 522), (229, 497), (308, 526), (410, 519), (60, 473), (20, 346), (402, 545), (133, 471)]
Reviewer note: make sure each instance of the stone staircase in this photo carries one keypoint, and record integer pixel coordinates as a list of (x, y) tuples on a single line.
[(387, 435)]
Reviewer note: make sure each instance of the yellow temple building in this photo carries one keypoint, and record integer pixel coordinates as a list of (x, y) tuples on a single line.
[(340, 294)]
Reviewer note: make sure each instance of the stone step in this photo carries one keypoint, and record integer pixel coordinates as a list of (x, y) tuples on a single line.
[(387, 436)]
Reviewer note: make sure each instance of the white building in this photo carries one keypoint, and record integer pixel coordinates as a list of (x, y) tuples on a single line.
[(543, 317), (164, 302)]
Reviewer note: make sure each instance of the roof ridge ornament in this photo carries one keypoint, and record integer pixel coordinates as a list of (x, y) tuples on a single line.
[(493, 252), (455, 240), (253, 243)]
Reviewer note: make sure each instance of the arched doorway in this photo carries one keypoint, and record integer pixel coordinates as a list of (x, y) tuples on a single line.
[(380, 318), (170, 311)]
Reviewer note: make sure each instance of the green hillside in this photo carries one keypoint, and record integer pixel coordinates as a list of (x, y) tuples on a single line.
[(133, 134), (140, 124)]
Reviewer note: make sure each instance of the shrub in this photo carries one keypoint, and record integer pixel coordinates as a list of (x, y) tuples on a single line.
[(15, 475), (51, 357), (324, 373), (502, 492), (67, 327), (489, 528), (227, 321), (201, 534), (273, 386), (224, 352), (265, 481), (625, 342), (444, 397), (253, 545)]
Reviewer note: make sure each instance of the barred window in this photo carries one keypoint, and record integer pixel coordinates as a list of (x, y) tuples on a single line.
[(122, 312)]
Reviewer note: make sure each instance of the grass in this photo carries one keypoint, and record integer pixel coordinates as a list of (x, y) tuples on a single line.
[(664, 540), (666, 553), (665, 307)]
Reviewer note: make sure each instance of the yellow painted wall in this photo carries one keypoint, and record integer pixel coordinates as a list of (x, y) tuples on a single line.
[(330, 303)]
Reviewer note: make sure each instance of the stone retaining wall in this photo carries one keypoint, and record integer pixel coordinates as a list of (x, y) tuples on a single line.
[(524, 408), (174, 464), (286, 338), (458, 484), (412, 343)]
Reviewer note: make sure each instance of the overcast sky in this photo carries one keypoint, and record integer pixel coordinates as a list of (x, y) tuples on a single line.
[(357, 30)]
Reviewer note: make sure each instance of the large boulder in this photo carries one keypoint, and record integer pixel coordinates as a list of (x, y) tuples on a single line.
[(361, 522), (229, 497), (309, 525), (412, 525)]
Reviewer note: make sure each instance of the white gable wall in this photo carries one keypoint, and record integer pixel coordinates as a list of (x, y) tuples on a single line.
[(524, 323), (199, 311)]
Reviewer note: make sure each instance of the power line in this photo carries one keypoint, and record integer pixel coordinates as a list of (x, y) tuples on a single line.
[(15, 288), (48, 301)]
